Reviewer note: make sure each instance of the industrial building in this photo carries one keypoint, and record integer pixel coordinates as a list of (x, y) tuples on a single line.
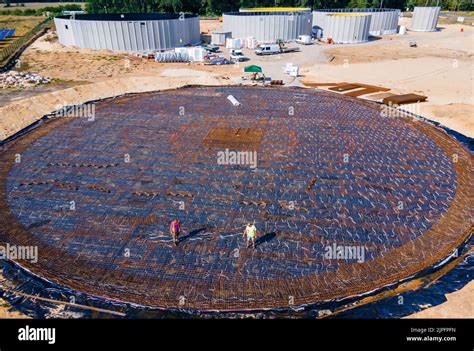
[(382, 22), (128, 32), (268, 26), (425, 19)]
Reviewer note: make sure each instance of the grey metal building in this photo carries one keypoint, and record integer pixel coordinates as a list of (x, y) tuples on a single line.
[(425, 19), (347, 28), (383, 21), (268, 26), (128, 32)]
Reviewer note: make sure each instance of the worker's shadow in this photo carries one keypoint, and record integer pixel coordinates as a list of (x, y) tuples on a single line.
[(191, 234), (265, 238)]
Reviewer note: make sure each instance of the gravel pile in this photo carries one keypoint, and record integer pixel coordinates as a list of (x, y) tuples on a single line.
[(21, 79)]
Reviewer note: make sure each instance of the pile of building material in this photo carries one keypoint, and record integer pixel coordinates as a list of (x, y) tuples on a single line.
[(250, 43), (291, 69), (183, 54), (191, 54), (197, 54), (21, 79), (239, 43), (231, 43), (194, 54), (404, 99), (171, 57), (217, 60)]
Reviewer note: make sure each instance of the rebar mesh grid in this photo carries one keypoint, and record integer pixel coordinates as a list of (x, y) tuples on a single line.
[(330, 170)]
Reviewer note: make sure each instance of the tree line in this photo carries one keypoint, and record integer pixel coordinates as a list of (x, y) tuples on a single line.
[(217, 7), (19, 10)]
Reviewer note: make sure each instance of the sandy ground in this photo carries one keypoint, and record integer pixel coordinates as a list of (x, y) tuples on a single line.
[(460, 304), (6, 311), (207, 26), (441, 67), (47, 57)]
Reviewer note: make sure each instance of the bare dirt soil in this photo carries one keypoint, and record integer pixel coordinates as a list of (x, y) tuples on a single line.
[(459, 304), (207, 26), (440, 67), (6, 311), (49, 58)]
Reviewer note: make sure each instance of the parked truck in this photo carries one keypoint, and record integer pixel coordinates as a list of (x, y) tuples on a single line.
[(238, 55), (273, 49)]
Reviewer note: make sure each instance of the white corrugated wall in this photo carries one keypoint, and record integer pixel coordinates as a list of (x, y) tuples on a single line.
[(425, 19), (347, 29), (128, 35), (384, 21), (268, 27)]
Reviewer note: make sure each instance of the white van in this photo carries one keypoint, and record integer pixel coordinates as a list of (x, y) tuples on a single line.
[(269, 49)]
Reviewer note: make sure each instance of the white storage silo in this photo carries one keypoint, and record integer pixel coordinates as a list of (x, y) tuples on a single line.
[(132, 32), (268, 26), (347, 28), (383, 21), (425, 19)]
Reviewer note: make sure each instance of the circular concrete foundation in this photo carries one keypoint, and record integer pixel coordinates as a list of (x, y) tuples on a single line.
[(346, 198)]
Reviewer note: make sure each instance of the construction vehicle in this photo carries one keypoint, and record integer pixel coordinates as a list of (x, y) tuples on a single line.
[(238, 55), (273, 49), (210, 47)]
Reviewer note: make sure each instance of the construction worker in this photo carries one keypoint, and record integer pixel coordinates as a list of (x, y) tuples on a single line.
[(250, 233), (175, 229)]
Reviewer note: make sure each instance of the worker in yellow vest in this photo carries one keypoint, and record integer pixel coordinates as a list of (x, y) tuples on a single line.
[(250, 233)]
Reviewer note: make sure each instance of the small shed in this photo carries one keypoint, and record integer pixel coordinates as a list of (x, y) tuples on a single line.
[(220, 37)]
